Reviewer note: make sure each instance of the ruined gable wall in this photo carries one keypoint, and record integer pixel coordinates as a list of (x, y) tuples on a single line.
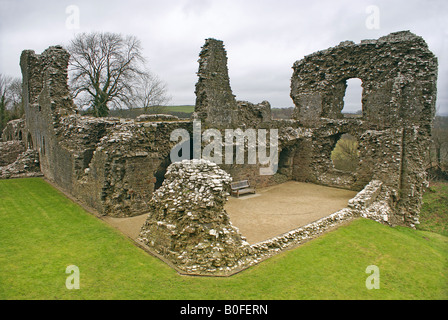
[(399, 75)]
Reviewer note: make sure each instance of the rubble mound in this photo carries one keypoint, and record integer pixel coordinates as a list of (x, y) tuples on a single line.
[(26, 166), (188, 225)]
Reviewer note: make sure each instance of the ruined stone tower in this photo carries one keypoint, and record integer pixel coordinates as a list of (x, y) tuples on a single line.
[(215, 102)]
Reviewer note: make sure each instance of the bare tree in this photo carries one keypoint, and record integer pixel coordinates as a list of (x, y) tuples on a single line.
[(4, 83), (151, 93), (16, 108), (10, 99), (103, 70), (440, 140)]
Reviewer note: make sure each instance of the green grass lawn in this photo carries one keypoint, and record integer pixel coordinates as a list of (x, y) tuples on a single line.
[(42, 232)]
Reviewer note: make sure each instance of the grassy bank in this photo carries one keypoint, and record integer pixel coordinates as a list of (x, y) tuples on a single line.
[(42, 232), (434, 213)]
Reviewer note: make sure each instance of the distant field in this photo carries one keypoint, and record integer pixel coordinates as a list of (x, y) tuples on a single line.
[(186, 109), (42, 232)]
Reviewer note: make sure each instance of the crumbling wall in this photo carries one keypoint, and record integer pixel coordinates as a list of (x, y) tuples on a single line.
[(187, 223), (14, 130), (189, 229), (116, 165), (9, 151), (46, 99), (252, 115), (26, 165), (107, 163), (399, 75), (17, 157), (125, 166)]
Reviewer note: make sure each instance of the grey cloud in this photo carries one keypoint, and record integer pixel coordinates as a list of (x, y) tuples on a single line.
[(263, 37)]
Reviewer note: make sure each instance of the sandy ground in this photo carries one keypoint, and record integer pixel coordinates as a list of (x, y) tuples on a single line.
[(282, 208), (129, 226), (269, 213)]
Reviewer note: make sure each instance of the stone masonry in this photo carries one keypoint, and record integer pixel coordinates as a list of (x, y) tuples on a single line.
[(187, 223), (122, 167)]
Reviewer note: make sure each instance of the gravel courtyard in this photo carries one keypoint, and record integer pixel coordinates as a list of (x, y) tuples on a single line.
[(268, 213)]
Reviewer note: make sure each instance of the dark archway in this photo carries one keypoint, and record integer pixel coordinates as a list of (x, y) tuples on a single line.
[(29, 141), (159, 174)]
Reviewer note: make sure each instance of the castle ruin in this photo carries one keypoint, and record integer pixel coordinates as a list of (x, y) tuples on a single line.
[(122, 167)]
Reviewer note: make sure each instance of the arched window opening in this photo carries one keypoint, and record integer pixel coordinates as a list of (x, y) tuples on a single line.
[(285, 161), (345, 155), (353, 99)]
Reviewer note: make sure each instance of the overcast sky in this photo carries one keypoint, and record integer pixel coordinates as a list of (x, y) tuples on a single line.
[(263, 38)]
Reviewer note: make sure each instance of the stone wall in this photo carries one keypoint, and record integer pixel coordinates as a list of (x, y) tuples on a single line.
[(26, 165), (17, 158), (215, 102), (116, 164), (108, 163), (399, 78), (14, 130), (10, 150)]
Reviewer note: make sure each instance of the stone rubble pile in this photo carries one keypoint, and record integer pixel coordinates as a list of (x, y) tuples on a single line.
[(188, 225), (26, 165), (9, 151)]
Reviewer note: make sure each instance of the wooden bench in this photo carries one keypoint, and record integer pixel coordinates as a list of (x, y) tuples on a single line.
[(241, 187)]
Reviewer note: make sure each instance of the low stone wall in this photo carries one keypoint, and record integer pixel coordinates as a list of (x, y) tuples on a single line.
[(366, 196), (156, 117), (265, 249), (189, 229), (370, 203)]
